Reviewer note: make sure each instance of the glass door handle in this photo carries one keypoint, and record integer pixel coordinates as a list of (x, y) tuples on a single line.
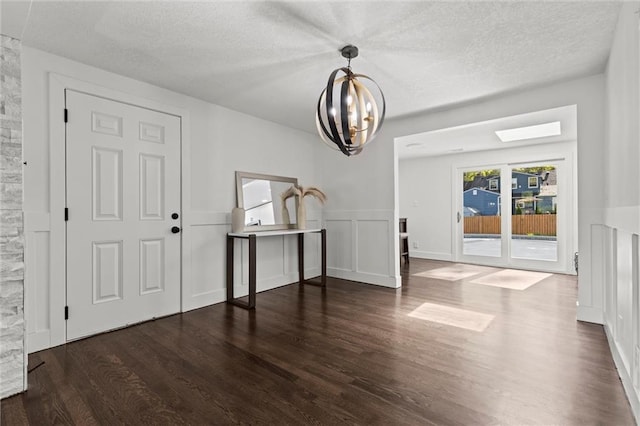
[(458, 214)]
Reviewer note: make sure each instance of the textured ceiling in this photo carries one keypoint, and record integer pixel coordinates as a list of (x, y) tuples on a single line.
[(272, 59)]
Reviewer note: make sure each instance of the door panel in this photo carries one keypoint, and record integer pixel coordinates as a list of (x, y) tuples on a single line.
[(106, 124), (123, 183), (534, 194), (514, 215), (106, 182), (151, 187), (107, 271), (151, 266), (481, 223)]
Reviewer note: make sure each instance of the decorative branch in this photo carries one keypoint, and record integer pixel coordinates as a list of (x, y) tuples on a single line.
[(314, 192), (300, 192), (292, 191)]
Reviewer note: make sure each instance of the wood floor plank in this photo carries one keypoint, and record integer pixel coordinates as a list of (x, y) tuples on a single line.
[(79, 411), (13, 412), (345, 354)]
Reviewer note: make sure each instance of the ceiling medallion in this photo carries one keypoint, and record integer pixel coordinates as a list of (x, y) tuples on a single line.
[(348, 115)]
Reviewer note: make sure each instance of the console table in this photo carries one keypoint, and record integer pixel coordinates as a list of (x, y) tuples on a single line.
[(253, 237)]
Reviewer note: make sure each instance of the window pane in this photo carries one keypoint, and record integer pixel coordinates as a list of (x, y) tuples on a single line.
[(534, 207), (481, 213)]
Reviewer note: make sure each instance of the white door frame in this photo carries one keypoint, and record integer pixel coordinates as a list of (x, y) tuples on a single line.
[(57, 190), (565, 162)]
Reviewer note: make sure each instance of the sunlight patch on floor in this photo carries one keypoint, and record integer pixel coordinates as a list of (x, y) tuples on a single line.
[(455, 272), (512, 279), (455, 317)]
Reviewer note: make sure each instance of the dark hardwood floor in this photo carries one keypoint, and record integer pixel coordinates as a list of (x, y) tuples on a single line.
[(348, 354)]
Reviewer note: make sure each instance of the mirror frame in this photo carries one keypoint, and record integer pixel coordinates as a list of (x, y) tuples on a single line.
[(240, 199)]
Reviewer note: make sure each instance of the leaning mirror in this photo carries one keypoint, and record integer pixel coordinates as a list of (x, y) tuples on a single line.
[(263, 198)]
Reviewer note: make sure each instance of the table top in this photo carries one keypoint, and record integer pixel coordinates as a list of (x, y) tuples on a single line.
[(273, 233)]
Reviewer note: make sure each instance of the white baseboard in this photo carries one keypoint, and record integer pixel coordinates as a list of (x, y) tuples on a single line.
[(431, 255), (38, 341), (589, 314), (381, 280), (625, 378), (205, 299)]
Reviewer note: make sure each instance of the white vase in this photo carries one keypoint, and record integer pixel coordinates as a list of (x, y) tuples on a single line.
[(237, 219), (302, 215)]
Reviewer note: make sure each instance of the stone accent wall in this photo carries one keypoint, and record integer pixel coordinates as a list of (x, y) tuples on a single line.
[(12, 330)]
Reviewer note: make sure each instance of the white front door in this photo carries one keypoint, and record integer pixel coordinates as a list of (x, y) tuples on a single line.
[(123, 199)]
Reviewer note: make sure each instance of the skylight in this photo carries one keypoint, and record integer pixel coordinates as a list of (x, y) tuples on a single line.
[(530, 132)]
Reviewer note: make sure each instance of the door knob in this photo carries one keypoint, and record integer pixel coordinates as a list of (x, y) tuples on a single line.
[(175, 229), (174, 215)]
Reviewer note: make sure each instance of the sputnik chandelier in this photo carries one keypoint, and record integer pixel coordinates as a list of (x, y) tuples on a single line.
[(348, 116)]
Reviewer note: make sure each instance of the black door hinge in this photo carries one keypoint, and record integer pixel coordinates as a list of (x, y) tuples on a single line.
[(66, 115), (66, 214), (66, 312)]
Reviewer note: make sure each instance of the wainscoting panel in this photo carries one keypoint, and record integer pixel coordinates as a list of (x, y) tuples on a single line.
[(597, 266), (37, 281), (372, 234), (208, 254), (312, 251), (271, 253), (339, 247), (621, 303), (358, 245), (624, 321)]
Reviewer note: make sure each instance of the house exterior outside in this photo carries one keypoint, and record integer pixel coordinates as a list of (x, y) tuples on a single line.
[(530, 193), (486, 202)]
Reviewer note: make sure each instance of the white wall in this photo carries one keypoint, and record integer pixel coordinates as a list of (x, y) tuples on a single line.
[(220, 141), (425, 199), (621, 225), (426, 196), (361, 222)]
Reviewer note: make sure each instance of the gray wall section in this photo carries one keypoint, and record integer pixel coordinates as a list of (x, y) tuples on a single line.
[(12, 359)]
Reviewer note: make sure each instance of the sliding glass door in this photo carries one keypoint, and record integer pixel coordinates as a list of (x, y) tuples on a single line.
[(513, 215)]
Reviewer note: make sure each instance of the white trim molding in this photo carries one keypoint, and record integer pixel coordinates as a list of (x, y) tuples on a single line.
[(433, 255)]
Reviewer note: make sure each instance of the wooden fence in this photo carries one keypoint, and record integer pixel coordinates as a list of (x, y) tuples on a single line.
[(528, 224)]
